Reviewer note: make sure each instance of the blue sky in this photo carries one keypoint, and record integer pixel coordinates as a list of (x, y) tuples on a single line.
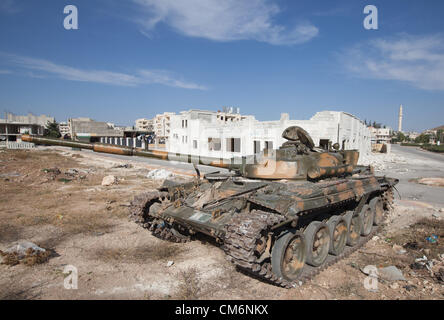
[(136, 58)]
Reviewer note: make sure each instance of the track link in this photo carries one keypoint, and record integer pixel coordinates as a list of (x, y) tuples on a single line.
[(139, 213), (246, 229)]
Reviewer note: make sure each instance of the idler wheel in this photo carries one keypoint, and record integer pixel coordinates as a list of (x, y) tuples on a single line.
[(317, 236), (367, 217), (288, 255), (378, 210), (338, 234), (354, 225)]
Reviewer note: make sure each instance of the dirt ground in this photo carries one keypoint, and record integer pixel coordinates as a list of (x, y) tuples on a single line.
[(86, 225)]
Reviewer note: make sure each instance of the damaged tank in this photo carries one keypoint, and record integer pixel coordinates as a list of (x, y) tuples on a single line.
[(283, 215)]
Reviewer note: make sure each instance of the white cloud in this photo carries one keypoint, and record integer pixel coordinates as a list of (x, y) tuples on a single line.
[(9, 6), (416, 60), (224, 20), (140, 77), (5, 72)]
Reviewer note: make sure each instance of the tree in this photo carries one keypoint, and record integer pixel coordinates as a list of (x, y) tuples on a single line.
[(401, 137), (423, 138), (52, 130)]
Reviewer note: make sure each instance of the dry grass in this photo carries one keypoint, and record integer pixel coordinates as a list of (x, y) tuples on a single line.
[(414, 238), (163, 251), (31, 257), (190, 285)]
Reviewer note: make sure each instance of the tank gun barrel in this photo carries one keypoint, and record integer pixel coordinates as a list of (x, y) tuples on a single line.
[(233, 163)]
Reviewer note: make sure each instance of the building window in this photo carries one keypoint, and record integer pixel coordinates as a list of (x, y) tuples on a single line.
[(269, 145), (257, 146), (323, 143), (214, 144), (233, 145), (186, 123), (195, 144)]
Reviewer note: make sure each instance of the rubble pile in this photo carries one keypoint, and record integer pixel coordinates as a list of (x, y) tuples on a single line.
[(381, 161), (159, 174)]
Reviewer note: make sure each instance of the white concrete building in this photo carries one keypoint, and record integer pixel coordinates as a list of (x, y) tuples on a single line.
[(381, 135), (162, 127), (225, 135), (64, 128), (144, 124)]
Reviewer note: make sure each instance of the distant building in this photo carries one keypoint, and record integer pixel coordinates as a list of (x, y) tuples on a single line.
[(145, 125), (229, 134), (64, 129), (90, 130), (162, 126), (381, 135), (13, 126)]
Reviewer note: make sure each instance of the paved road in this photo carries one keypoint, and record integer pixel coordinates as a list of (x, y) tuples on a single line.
[(417, 152), (417, 164)]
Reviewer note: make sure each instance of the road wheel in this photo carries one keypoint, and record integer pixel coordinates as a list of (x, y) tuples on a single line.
[(354, 225), (288, 255), (317, 237), (378, 210), (367, 217), (338, 234)]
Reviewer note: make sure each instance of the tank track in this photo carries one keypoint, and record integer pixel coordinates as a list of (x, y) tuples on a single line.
[(139, 213), (246, 229)]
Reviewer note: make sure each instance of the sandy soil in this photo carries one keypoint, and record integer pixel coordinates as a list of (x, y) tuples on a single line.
[(86, 225)]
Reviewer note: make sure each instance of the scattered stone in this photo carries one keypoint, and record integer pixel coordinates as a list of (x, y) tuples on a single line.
[(391, 274), (398, 249), (394, 286), (125, 166), (410, 287), (109, 180), (159, 174), (170, 263), (24, 252), (375, 238), (72, 172), (412, 245), (52, 172), (435, 215), (441, 210)]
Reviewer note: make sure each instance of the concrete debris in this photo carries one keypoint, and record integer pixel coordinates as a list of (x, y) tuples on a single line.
[(391, 274), (22, 247), (109, 180), (382, 161), (159, 174), (421, 263), (170, 263), (394, 286)]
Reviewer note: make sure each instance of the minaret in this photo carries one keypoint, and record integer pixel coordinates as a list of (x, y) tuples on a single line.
[(400, 119)]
